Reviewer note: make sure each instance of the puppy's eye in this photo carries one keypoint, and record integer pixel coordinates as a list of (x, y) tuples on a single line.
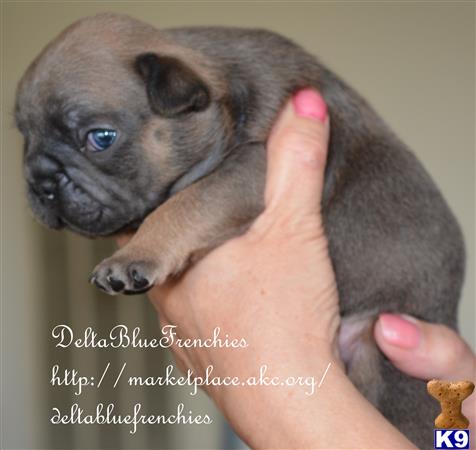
[(100, 139)]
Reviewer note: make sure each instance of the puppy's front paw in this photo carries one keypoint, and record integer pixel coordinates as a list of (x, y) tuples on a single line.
[(120, 275)]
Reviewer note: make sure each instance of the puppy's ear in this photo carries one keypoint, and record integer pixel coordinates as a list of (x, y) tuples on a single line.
[(172, 87)]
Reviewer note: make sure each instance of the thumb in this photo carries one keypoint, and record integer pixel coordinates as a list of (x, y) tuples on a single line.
[(424, 350), (297, 150)]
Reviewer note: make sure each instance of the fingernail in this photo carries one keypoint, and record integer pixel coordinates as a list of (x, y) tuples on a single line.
[(400, 330), (308, 103)]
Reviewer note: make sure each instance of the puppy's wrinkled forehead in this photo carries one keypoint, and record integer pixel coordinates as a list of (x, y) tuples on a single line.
[(88, 67)]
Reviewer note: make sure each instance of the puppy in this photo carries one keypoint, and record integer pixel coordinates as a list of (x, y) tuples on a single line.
[(130, 127)]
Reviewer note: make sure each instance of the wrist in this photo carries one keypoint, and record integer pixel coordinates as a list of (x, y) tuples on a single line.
[(335, 416), (277, 410)]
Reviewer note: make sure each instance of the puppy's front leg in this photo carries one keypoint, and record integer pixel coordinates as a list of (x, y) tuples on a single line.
[(196, 219)]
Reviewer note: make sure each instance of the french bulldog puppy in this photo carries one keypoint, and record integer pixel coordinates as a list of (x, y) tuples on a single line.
[(129, 127)]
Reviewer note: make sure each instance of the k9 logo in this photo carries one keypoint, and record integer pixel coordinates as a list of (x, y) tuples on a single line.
[(445, 439)]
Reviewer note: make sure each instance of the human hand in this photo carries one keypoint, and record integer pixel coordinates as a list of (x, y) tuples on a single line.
[(427, 351), (275, 287), (254, 286)]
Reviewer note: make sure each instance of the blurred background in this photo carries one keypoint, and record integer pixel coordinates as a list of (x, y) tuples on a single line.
[(414, 61)]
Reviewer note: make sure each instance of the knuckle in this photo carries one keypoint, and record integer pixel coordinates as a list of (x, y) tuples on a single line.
[(303, 135), (459, 348), (308, 143), (451, 348), (280, 226)]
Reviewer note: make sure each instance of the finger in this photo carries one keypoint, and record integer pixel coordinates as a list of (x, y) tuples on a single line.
[(297, 150), (424, 350)]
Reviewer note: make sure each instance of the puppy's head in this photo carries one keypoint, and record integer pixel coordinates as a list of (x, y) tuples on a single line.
[(115, 119)]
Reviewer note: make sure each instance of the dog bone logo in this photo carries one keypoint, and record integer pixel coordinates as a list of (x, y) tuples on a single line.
[(451, 396)]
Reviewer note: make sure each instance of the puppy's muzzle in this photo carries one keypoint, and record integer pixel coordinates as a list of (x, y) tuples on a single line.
[(45, 189), (45, 178)]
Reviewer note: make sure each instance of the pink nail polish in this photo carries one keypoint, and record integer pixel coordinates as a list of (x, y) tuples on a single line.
[(399, 331), (308, 103)]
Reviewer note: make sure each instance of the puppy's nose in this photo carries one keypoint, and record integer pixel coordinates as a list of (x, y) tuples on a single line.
[(47, 189), (40, 172)]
